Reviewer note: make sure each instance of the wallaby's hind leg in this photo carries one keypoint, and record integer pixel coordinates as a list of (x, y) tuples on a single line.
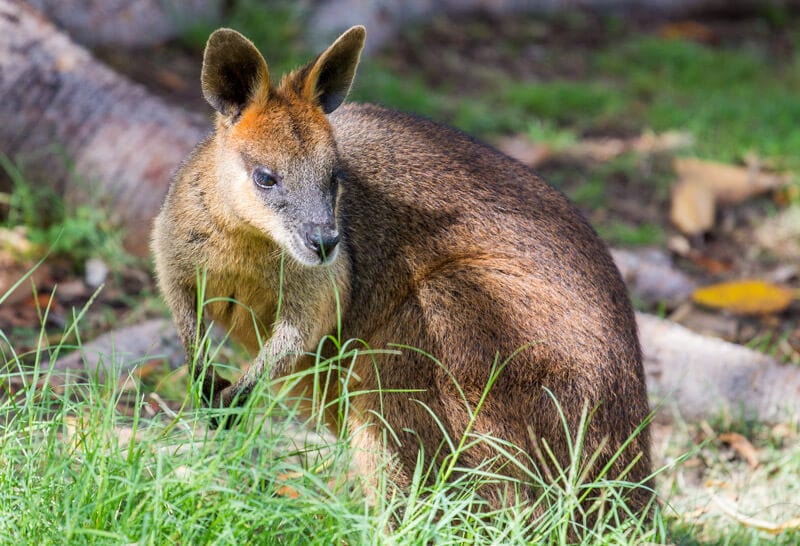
[(374, 462)]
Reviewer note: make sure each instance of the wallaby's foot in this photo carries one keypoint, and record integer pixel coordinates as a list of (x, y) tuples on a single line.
[(221, 401), (230, 396), (216, 395)]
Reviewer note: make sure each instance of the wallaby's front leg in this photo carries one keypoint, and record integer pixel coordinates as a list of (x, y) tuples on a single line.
[(279, 354), (192, 331)]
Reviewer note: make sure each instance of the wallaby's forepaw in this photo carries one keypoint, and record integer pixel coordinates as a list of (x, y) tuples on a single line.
[(213, 386), (220, 401), (217, 395)]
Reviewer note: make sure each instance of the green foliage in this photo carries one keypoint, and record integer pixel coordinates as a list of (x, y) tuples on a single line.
[(76, 232), (623, 233), (276, 28), (80, 464), (565, 102), (546, 132), (376, 83), (732, 99)]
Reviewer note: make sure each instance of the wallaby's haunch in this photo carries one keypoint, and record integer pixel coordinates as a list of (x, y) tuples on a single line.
[(430, 240)]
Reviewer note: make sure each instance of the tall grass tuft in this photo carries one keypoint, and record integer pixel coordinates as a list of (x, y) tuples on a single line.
[(86, 461)]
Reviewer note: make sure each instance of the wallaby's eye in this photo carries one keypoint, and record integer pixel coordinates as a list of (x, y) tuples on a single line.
[(265, 178)]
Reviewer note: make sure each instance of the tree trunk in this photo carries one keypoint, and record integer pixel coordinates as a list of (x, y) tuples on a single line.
[(384, 19), (126, 23), (698, 377), (80, 128)]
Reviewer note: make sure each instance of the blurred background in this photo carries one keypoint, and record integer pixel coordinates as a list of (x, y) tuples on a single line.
[(673, 124)]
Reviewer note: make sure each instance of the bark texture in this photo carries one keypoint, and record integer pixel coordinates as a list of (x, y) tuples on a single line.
[(383, 19), (697, 377), (77, 126), (126, 23)]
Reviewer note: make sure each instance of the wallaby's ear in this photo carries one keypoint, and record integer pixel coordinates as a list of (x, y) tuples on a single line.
[(330, 76), (234, 72)]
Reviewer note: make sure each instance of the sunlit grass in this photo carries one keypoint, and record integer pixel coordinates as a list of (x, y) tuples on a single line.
[(84, 461)]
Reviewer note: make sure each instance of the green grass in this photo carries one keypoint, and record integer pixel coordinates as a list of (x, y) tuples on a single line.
[(569, 103), (621, 233), (75, 232), (733, 100), (88, 462)]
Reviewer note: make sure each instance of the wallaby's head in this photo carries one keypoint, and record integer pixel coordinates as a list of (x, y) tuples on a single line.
[(276, 156)]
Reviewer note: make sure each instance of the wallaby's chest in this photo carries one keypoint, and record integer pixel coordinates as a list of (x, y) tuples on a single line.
[(241, 288)]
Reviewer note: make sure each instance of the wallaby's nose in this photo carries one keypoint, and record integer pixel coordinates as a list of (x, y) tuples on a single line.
[(321, 239)]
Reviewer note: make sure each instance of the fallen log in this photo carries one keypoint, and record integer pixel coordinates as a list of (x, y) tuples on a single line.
[(125, 23), (78, 127), (697, 377)]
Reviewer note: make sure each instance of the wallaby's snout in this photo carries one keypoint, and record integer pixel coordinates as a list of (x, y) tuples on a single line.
[(322, 239)]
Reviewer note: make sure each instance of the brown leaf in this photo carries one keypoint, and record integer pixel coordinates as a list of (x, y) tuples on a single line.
[(688, 30), (742, 446), (522, 149), (745, 297), (729, 183), (287, 490), (693, 207), (668, 141), (147, 369), (710, 265), (535, 154), (702, 184)]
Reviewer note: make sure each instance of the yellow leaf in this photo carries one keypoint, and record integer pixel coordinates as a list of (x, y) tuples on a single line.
[(746, 297)]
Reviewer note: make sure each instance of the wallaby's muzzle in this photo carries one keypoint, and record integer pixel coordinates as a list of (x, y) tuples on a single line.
[(322, 239)]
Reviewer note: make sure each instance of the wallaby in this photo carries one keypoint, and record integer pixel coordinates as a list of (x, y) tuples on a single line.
[(353, 220)]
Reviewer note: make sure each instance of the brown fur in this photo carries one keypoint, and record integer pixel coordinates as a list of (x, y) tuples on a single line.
[(446, 245)]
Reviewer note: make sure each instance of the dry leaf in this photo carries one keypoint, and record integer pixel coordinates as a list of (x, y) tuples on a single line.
[(522, 149), (729, 183), (668, 141), (693, 207), (710, 265), (702, 184), (287, 490), (146, 370), (745, 297), (597, 149), (688, 30), (534, 154), (742, 446)]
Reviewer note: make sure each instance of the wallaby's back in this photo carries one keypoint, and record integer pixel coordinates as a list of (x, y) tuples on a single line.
[(468, 255)]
